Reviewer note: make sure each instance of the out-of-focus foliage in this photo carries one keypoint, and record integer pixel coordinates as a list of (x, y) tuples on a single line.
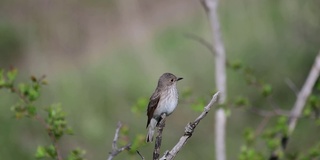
[(101, 56), (54, 123)]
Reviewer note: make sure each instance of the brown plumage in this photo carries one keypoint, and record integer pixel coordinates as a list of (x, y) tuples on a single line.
[(163, 100)]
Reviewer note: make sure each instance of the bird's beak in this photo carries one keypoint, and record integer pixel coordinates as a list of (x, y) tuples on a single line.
[(179, 78)]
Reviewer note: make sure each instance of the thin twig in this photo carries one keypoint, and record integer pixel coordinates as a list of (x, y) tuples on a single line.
[(262, 125), (116, 136), (115, 150), (157, 145), (201, 41), (140, 155), (292, 86), (299, 105), (189, 129), (264, 113), (51, 135)]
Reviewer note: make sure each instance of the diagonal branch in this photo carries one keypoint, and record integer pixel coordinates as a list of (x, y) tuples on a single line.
[(189, 129), (299, 104), (304, 93)]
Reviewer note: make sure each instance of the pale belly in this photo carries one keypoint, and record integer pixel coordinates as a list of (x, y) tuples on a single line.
[(167, 105)]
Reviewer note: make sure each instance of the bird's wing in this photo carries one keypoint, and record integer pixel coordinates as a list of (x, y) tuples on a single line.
[(153, 104)]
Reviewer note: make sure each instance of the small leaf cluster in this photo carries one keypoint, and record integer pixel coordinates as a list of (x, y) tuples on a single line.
[(312, 108), (57, 124), (313, 153), (248, 150), (271, 135), (241, 101), (54, 122), (7, 79), (138, 140), (250, 77), (77, 154), (140, 106), (46, 152)]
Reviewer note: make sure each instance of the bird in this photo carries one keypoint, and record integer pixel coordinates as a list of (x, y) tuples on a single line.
[(163, 100)]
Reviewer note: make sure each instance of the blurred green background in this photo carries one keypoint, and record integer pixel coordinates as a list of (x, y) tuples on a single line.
[(101, 56)]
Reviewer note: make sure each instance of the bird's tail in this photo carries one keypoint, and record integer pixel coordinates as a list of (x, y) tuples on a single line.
[(151, 128)]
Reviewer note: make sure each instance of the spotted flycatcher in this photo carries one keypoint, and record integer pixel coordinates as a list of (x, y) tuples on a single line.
[(163, 100)]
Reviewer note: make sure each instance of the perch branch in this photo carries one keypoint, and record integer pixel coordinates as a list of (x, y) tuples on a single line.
[(157, 144), (189, 129), (299, 104), (115, 150)]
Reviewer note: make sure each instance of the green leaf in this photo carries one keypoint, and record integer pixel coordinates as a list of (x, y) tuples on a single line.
[(249, 136), (19, 111), (307, 111), (51, 150), (77, 154), (124, 129), (273, 143), (41, 152), (23, 88), (266, 90), (198, 105), (2, 79), (241, 101), (138, 142), (186, 92), (236, 65), (12, 75), (33, 94), (69, 131), (46, 152), (32, 110), (227, 111), (56, 121), (140, 105), (281, 125)]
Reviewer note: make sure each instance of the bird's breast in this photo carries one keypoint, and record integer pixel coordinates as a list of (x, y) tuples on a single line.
[(168, 102)]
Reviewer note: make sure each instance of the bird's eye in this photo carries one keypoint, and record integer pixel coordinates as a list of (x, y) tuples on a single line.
[(171, 80)]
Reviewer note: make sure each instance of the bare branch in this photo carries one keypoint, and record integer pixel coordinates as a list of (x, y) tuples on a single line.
[(140, 155), (300, 103), (189, 129), (157, 145), (201, 41), (304, 93), (115, 150), (292, 86), (262, 125), (272, 113), (116, 136), (211, 7)]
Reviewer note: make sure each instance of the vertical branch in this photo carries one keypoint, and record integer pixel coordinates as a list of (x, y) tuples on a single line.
[(220, 74), (157, 145)]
